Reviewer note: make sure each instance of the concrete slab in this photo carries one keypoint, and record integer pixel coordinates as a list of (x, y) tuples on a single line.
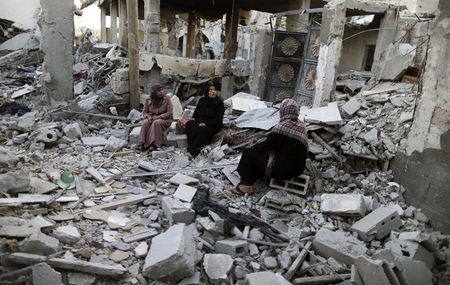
[(185, 193), (233, 248), (43, 274), (343, 204), (413, 272), (266, 278), (177, 211), (378, 224), (328, 115), (179, 178)]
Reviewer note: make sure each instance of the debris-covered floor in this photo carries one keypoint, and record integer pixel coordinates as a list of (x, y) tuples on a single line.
[(153, 218)]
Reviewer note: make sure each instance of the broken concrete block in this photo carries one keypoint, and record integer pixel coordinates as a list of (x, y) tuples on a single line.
[(374, 272), (413, 272), (192, 280), (141, 250), (73, 131), (179, 178), (185, 193), (270, 262), (343, 204), (217, 267), (76, 278), (15, 182), (233, 248), (94, 141), (266, 278), (171, 256), (48, 137), (43, 274), (115, 144), (133, 138), (412, 250), (355, 278), (39, 243), (296, 186), (177, 212), (351, 107), (342, 247), (7, 158), (41, 186), (120, 81), (378, 224), (67, 234), (371, 137)]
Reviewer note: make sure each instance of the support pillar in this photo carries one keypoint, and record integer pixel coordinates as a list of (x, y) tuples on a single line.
[(230, 46), (386, 36), (133, 53), (192, 27), (331, 33), (152, 26), (123, 24), (103, 25), (113, 9), (298, 23), (56, 24)]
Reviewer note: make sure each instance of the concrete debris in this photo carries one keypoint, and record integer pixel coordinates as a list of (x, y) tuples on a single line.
[(343, 204), (185, 193), (39, 243), (67, 234), (378, 224), (217, 267), (43, 274), (177, 211), (234, 248), (266, 278), (80, 278), (171, 256), (15, 182)]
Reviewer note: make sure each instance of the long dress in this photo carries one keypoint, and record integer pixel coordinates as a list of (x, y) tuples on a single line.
[(289, 159), (210, 112), (152, 131)]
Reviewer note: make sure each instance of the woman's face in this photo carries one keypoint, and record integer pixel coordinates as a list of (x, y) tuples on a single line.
[(212, 92), (160, 92)]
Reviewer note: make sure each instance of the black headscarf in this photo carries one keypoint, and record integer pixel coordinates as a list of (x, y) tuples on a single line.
[(214, 100), (154, 98)]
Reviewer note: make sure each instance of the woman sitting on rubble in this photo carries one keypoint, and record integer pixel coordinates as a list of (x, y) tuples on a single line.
[(207, 121), (158, 116), (282, 155)]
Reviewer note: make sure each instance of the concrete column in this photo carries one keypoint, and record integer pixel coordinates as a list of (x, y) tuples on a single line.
[(133, 53), (123, 24), (230, 46), (192, 27), (298, 23), (113, 8), (386, 36), (424, 168), (331, 33), (56, 23), (103, 25), (152, 26)]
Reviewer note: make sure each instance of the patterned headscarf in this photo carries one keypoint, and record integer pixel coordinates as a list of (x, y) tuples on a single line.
[(289, 124)]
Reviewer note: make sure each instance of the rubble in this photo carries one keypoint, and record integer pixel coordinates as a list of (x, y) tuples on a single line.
[(217, 267), (343, 204)]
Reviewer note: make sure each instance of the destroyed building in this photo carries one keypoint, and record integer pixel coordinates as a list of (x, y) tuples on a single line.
[(79, 204)]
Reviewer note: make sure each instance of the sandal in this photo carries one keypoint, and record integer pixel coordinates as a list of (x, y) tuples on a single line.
[(238, 191)]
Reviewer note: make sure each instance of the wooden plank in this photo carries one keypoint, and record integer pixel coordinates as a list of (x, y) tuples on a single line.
[(74, 265), (192, 27), (298, 261), (231, 27), (317, 280)]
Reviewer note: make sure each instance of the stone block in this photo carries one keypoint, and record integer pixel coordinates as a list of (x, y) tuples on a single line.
[(342, 247), (378, 224), (94, 141), (120, 83), (73, 131), (217, 267), (351, 107), (297, 185), (67, 234), (177, 212), (43, 274), (114, 144), (179, 178), (412, 250), (39, 243), (374, 272), (171, 256), (15, 182), (343, 204), (133, 138), (160, 154), (233, 248), (266, 278), (185, 193), (413, 272), (7, 158)]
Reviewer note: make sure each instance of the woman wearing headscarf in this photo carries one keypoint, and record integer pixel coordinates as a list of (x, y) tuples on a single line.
[(158, 115), (207, 121), (282, 155)]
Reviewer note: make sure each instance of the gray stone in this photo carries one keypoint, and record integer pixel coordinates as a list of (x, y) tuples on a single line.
[(76, 278), (342, 247), (43, 274), (373, 272), (378, 224), (409, 212), (7, 158), (48, 137), (239, 272), (67, 234), (351, 107), (119, 255), (421, 217), (253, 249), (343, 204), (284, 259), (171, 256), (41, 186), (115, 144), (177, 212), (39, 243), (270, 262), (256, 234), (121, 245), (371, 137), (355, 278), (179, 178), (134, 115), (232, 247), (185, 193), (192, 280), (15, 182), (217, 267), (94, 141), (73, 131), (413, 272), (413, 250), (266, 278), (141, 250), (120, 81)]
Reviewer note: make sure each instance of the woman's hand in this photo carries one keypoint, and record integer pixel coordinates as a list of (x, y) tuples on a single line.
[(202, 125)]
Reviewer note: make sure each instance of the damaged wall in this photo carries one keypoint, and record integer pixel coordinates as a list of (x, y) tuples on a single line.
[(423, 168), (354, 49)]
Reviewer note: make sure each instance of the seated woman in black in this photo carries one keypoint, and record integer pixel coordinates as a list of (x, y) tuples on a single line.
[(282, 155), (208, 117)]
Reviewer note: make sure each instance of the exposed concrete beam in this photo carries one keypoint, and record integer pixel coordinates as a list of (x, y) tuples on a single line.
[(231, 27), (133, 53), (152, 26), (298, 22), (331, 33), (113, 19), (192, 27), (123, 24), (103, 25)]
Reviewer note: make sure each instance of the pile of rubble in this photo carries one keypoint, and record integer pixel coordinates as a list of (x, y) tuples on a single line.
[(78, 205)]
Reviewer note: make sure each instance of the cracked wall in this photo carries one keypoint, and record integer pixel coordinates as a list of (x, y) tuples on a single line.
[(424, 167), (56, 23)]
